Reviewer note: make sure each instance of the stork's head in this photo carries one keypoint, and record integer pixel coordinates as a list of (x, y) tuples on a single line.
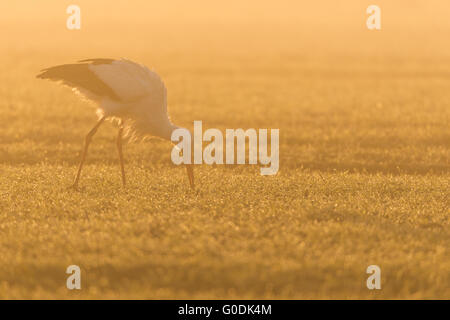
[(182, 139)]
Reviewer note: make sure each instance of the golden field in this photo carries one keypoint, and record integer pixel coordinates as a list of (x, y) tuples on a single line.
[(364, 153)]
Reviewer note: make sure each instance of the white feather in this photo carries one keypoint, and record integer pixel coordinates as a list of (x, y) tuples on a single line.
[(131, 81), (143, 95)]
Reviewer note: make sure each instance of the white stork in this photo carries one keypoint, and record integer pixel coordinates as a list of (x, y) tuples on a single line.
[(124, 91)]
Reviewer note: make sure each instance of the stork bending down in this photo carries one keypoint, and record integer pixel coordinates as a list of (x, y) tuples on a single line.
[(122, 90)]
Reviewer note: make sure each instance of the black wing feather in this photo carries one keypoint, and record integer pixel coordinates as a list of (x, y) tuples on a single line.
[(78, 75)]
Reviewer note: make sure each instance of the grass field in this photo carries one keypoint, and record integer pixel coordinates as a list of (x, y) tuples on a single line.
[(364, 154)]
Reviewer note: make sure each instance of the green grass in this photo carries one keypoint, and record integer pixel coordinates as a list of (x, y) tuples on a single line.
[(297, 235), (356, 187)]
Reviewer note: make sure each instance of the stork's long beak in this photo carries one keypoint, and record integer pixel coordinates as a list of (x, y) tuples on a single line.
[(190, 173)]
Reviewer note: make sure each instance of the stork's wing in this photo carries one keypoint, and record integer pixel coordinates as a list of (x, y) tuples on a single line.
[(80, 77), (131, 81), (120, 80)]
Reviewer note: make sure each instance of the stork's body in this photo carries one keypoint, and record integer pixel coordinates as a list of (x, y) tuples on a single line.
[(122, 90)]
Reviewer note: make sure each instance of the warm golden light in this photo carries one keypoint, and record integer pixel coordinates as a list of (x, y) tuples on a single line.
[(363, 118)]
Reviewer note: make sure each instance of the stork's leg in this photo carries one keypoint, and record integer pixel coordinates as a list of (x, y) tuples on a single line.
[(87, 141), (119, 148)]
